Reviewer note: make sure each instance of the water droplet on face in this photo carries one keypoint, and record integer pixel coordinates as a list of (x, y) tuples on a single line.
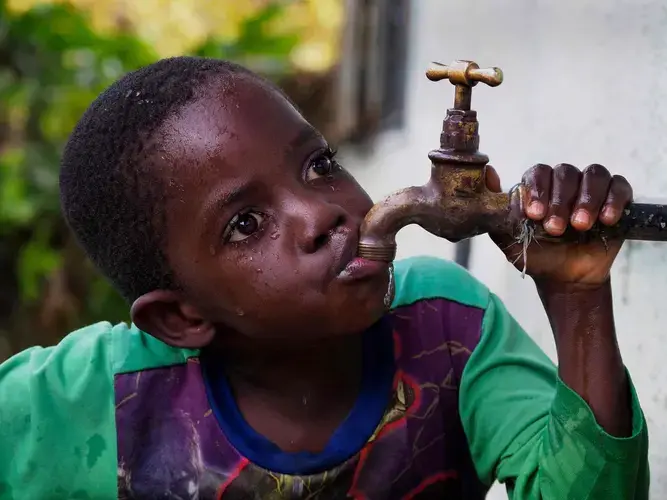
[(389, 296), (259, 270), (275, 236), (240, 312)]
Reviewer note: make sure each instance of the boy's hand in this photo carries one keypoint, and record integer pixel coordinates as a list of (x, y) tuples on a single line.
[(556, 197)]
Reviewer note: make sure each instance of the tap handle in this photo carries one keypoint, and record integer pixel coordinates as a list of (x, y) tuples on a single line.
[(464, 75)]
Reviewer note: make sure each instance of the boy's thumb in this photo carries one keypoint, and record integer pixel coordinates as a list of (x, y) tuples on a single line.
[(492, 179)]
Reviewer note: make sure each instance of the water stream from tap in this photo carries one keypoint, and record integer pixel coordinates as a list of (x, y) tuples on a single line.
[(389, 296)]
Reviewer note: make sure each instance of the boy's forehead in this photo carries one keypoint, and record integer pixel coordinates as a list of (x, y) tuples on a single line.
[(233, 119)]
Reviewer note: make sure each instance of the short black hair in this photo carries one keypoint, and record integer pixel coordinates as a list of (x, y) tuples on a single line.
[(112, 199)]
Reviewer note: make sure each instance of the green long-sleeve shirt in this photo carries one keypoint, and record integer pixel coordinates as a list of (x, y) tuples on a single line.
[(465, 397), (546, 442)]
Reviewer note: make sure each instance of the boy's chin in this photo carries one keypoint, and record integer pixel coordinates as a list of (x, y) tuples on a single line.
[(353, 322), (337, 323)]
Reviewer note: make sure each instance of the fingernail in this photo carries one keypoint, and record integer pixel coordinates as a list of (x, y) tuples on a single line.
[(609, 213), (536, 209), (554, 224), (581, 217)]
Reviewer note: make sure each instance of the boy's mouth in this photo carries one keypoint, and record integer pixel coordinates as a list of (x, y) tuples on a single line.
[(353, 268), (359, 268)]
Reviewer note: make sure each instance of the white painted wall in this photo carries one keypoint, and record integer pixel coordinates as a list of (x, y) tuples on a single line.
[(585, 82)]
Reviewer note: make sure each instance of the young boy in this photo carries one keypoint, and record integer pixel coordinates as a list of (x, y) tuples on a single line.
[(262, 361)]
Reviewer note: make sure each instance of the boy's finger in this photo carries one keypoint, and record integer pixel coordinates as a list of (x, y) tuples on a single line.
[(620, 194), (592, 195), (537, 183), (564, 191), (492, 179)]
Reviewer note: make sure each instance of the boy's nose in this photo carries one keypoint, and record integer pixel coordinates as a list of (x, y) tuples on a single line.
[(321, 227), (314, 222)]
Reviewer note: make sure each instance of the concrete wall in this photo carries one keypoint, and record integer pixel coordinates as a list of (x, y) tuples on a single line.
[(585, 82)]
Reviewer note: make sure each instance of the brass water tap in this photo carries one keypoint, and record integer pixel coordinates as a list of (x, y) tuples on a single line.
[(456, 204)]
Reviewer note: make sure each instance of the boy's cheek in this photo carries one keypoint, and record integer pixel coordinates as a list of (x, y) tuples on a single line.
[(354, 199)]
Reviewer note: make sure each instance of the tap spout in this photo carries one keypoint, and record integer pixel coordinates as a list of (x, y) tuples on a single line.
[(378, 231), (455, 207)]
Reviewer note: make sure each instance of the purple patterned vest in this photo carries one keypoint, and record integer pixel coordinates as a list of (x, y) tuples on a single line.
[(170, 444)]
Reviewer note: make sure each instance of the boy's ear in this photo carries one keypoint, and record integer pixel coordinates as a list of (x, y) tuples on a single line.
[(163, 314)]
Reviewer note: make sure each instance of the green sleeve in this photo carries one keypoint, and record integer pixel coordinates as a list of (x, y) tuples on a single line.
[(528, 430), (57, 420)]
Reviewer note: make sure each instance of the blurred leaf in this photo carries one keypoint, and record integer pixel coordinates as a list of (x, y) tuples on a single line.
[(36, 262), (256, 47), (16, 208), (255, 37)]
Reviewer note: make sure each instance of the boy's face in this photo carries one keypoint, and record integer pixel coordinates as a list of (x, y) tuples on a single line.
[(262, 224)]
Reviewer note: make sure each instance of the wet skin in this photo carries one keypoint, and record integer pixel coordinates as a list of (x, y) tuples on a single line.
[(262, 233), (262, 226)]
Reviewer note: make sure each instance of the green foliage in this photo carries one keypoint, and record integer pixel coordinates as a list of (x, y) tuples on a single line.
[(52, 65), (256, 47)]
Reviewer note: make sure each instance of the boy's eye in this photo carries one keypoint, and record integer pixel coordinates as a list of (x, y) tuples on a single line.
[(242, 226), (321, 166)]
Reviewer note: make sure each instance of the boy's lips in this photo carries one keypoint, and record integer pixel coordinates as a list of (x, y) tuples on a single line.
[(352, 268), (359, 268)]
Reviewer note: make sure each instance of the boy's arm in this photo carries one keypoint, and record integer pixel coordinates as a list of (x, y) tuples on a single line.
[(57, 431), (529, 430)]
